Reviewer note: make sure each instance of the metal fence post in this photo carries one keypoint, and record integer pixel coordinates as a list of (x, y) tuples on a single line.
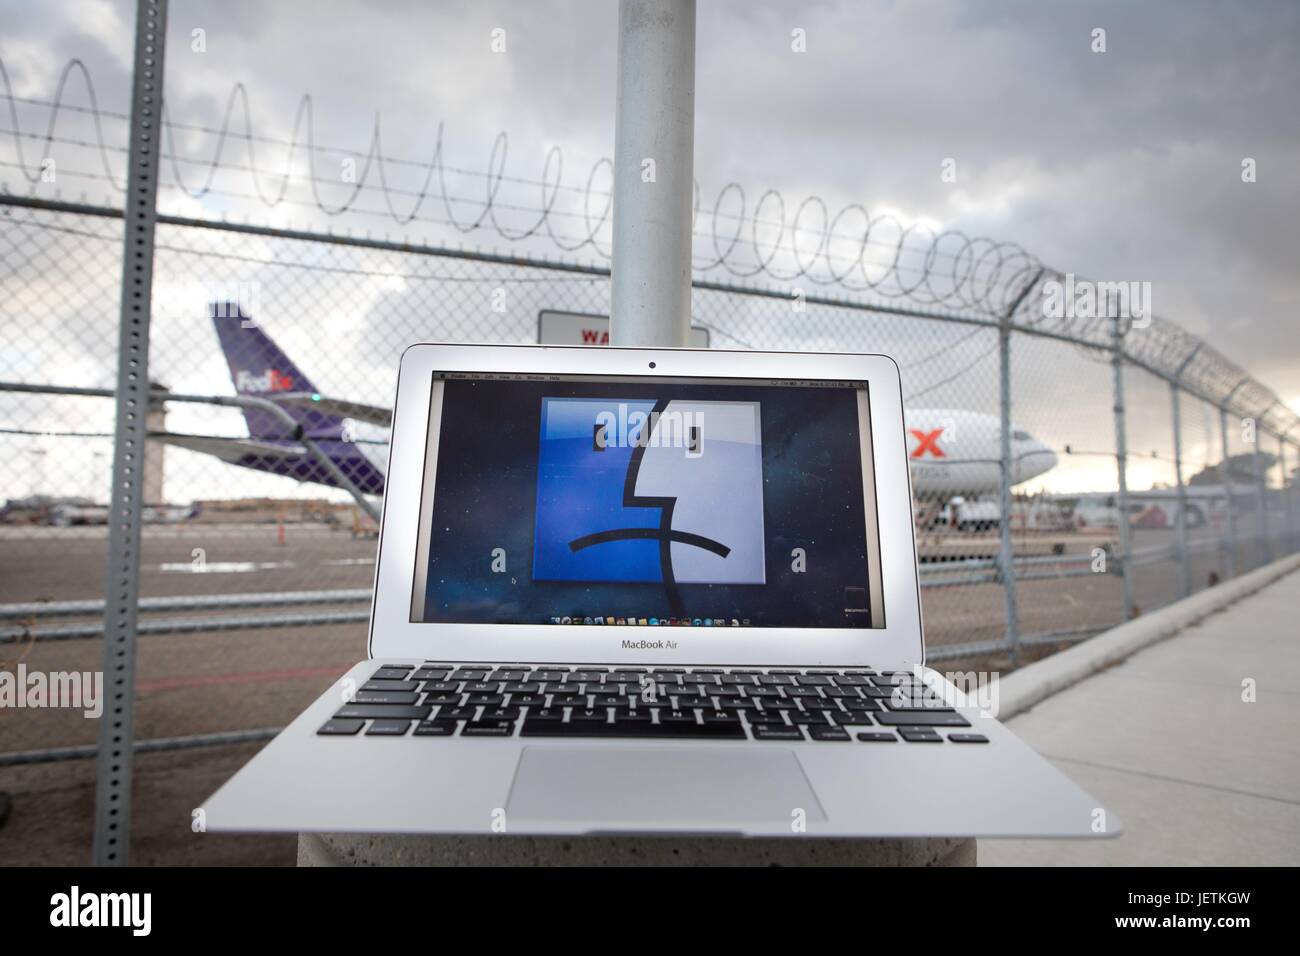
[(1121, 463), (1225, 477), (114, 761), (1185, 570), (1006, 559), (1261, 498), (1286, 496)]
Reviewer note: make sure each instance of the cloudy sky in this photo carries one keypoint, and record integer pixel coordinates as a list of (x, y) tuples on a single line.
[(1121, 165)]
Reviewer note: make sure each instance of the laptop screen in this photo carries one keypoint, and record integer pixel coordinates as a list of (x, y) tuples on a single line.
[(621, 500)]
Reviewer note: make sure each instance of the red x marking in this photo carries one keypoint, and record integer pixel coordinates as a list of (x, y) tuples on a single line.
[(927, 441)]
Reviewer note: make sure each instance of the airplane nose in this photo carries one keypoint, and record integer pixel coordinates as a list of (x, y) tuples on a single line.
[(1049, 457), (1044, 458), (1033, 459)]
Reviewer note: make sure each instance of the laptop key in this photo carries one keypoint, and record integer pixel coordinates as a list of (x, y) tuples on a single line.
[(388, 728), (488, 728), (545, 714), (709, 715), (399, 685), (968, 738), (431, 673), (390, 673), (384, 711), (859, 704), (732, 729), (776, 732), (385, 697), (527, 700), (443, 697), (465, 712), (922, 719), (828, 733), (469, 674), (853, 717), (910, 706), (813, 681), (442, 686), (340, 728), (877, 736), (831, 693), (435, 728), (919, 735)]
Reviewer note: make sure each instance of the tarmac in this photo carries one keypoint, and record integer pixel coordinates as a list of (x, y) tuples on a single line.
[(1192, 742), (227, 680)]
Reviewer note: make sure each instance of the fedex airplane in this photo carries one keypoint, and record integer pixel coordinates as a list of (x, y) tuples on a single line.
[(952, 452)]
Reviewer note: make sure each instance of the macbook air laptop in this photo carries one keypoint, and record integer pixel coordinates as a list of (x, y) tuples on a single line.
[(648, 591)]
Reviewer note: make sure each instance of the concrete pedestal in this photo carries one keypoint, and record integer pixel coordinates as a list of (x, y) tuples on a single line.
[(361, 849)]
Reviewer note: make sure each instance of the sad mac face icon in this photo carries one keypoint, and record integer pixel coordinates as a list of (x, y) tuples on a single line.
[(643, 491)]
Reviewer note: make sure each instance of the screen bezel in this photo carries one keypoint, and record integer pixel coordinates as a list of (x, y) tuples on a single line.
[(898, 645)]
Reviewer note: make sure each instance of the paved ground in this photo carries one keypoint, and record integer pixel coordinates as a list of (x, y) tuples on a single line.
[(227, 680), (1198, 775)]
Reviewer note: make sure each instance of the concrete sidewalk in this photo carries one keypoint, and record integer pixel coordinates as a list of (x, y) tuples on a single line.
[(1165, 740)]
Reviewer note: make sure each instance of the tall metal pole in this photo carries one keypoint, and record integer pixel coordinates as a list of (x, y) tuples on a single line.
[(1225, 476), (1121, 462), (654, 155), (114, 761), (1185, 570)]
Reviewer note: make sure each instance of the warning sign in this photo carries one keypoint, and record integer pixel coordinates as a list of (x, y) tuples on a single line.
[(574, 328)]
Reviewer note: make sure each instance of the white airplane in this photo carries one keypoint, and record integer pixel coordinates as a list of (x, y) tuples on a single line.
[(956, 452), (952, 452)]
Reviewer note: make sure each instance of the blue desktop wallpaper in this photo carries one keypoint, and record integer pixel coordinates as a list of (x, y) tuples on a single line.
[(540, 517)]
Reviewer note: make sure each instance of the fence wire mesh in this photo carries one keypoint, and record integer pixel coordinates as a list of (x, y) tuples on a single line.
[(255, 586)]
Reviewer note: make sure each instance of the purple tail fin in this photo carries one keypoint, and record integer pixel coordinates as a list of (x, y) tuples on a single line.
[(259, 369)]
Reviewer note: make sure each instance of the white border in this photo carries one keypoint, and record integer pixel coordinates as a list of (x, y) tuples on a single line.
[(897, 646)]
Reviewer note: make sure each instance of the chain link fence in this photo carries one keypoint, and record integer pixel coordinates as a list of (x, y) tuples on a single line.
[(255, 585)]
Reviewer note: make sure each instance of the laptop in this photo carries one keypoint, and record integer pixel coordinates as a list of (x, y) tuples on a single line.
[(648, 591)]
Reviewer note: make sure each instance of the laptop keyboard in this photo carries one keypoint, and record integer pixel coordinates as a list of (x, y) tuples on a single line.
[(695, 703)]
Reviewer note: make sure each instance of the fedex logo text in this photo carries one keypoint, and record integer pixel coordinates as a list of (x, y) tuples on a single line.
[(271, 380), (927, 443)]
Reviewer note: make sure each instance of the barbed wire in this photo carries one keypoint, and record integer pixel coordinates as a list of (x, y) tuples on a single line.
[(848, 249)]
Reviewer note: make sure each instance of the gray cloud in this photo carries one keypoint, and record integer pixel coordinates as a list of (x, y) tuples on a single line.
[(1120, 165)]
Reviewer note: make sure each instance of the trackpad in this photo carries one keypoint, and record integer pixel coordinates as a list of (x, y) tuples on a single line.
[(659, 787)]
